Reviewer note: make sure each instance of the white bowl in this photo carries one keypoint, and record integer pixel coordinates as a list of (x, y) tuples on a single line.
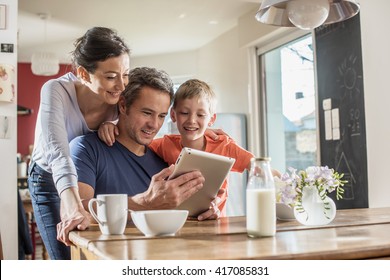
[(159, 222), (284, 212)]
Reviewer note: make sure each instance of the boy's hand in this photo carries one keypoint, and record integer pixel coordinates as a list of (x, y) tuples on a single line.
[(213, 213), (107, 132)]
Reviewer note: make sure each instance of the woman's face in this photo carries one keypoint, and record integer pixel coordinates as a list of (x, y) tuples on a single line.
[(110, 78)]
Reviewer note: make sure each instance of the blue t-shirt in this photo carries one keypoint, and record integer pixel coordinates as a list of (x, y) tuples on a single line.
[(113, 169)]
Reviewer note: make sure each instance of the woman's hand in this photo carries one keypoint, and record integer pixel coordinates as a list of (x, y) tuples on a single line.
[(107, 132), (73, 215)]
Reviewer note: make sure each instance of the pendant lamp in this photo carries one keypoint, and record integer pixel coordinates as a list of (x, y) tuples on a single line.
[(44, 63), (305, 14)]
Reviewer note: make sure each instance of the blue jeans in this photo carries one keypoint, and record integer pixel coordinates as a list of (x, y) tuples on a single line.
[(46, 204)]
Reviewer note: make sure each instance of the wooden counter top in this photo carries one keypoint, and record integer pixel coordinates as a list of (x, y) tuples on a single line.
[(354, 234)]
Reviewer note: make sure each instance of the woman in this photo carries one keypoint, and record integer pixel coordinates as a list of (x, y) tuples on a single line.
[(71, 106)]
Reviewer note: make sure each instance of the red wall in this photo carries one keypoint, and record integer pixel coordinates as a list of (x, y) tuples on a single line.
[(29, 88)]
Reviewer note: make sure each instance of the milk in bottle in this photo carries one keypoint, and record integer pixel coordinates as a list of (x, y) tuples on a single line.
[(260, 199)]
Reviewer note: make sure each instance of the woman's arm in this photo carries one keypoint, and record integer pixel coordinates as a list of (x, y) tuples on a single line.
[(73, 215), (58, 124)]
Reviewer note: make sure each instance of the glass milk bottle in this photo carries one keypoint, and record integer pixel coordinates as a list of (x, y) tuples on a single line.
[(260, 199)]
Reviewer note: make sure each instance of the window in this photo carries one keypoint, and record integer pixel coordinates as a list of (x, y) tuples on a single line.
[(168, 126), (289, 128)]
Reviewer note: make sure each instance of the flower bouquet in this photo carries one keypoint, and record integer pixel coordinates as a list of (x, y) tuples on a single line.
[(301, 189)]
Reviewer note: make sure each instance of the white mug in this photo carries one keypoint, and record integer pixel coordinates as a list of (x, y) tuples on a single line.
[(111, 212)]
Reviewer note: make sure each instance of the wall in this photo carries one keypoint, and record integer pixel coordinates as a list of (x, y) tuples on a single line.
[(223, 65), (29, 88), (8, 205), (180, 66), (376, 60), (209, 64)]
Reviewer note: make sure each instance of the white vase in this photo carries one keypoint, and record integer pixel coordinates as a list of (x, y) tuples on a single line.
[(316, 211)]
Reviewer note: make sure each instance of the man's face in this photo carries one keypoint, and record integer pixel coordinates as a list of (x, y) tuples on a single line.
[(140, 123)]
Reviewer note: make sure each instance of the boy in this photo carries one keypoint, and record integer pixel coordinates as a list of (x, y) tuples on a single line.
[(193, 110)]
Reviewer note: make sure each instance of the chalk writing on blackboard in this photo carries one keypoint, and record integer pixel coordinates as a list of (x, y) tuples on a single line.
[(350, 80), (349, 76), (354, 122), (348, 175)]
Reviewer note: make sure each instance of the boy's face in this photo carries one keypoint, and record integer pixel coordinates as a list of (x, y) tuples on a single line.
[(140, 123), (192, 117)]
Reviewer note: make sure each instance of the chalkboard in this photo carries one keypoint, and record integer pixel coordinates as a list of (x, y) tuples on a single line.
[(341, 107)]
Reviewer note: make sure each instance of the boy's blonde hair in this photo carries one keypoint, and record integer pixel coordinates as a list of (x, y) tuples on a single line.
[(195, 88)]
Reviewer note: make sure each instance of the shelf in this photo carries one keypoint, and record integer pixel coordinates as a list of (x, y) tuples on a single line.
[(24, 111)]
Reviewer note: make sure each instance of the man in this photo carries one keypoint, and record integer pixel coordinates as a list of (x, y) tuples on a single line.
[(129, 166)]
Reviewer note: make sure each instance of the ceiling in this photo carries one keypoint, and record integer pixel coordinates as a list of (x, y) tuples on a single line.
[(148, 26)]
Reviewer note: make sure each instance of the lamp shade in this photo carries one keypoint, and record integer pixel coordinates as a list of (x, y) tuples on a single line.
[(308, 14), (44, 64), (276, 12)]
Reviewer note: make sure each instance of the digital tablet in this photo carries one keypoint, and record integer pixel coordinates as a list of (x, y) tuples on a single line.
[(214, 169)]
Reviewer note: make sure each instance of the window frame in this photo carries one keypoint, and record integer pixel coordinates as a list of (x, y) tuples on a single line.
[(258, 110)]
